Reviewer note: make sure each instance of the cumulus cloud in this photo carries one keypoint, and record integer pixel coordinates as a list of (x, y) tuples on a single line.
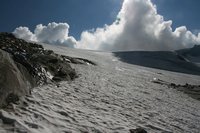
[(53, 33), (24, 33), (138, 27)]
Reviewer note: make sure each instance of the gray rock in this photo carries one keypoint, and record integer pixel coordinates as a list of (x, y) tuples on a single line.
[(13, 83)]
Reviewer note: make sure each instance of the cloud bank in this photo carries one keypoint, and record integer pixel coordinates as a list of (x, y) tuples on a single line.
[(53, 33), (138, 27)]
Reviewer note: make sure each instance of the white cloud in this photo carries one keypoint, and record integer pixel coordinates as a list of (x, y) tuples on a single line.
[(24, 33), (138, 27), (53, 33)]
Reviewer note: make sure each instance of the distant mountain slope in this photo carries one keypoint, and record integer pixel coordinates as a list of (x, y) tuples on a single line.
[(165, 60), (194, 51), (192, 54)]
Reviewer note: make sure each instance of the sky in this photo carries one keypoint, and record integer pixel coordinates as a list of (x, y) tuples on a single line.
[(79, 14), (184, 12), (105, 24)]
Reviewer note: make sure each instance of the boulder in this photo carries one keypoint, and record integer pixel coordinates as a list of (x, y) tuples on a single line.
[(13, 83), (137, 130)]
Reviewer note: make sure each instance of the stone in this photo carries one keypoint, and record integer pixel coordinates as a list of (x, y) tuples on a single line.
[(137, 130)]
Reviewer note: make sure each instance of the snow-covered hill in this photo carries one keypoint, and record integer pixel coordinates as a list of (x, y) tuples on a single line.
[(164, 60), (192, 54), (110, 97)]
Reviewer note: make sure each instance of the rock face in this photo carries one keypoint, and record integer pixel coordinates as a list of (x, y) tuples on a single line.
[(40, 63), (13, 83), (24, 65)]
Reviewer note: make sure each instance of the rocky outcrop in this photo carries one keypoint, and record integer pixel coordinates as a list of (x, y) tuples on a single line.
[(191, 90), (41, 64), (24, 65)]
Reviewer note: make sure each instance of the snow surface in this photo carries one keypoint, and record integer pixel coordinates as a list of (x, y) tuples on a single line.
[(111, 97)]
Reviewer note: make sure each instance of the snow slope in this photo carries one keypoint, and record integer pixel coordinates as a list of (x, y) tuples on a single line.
[(192, 54), (111, 97)]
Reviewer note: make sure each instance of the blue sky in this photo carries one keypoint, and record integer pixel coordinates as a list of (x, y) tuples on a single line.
[(87, 14), (79, 14), (140, 27), (182, 12)]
